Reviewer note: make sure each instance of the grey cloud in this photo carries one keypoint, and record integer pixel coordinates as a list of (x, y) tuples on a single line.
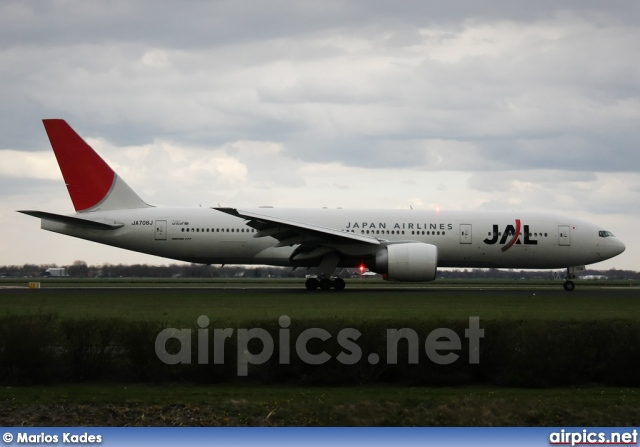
[(492, 181), (10, 186), (548, 103), (195, 24), (558, 191)]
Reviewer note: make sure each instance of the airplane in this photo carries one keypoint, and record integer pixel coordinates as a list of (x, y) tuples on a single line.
[(402, 245)]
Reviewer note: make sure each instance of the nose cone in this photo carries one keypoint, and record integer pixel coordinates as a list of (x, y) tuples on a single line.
[(611, 247), (617, 247)]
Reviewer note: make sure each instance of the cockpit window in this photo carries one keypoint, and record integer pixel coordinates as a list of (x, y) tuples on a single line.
[(605, 234)]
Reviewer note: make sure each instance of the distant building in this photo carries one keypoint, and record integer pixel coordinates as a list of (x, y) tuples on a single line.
[(56, 272)]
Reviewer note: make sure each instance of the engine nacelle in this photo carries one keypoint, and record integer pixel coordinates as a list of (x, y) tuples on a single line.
[(411, 261)]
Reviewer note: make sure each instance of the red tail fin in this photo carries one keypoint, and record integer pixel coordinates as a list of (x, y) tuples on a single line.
[(87, 176), (92, 184)]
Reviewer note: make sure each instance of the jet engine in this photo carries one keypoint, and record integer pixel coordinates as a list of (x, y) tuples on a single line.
[(410, 261)]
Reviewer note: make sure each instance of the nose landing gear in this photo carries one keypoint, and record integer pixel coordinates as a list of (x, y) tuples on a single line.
[(568, 283)]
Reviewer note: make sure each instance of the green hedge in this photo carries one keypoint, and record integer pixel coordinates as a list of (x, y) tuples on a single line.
[(46, 349)]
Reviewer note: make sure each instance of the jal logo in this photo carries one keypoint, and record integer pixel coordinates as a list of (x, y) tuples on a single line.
[(510, 232)]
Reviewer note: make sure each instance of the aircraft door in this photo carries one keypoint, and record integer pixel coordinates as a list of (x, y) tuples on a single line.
[(564, 235), (465, 233), (161, 230)]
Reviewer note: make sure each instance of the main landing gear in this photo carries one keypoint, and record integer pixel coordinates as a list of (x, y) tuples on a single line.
[(324, 279), (324, 283)]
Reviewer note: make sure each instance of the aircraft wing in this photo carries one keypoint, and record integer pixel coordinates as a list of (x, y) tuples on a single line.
[(290, 232)]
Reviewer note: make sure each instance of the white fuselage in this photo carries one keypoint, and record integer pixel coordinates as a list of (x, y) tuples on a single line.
[(463, 239)]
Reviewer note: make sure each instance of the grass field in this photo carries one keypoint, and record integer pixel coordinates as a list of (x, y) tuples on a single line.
[(136, 405), (233, 302), (247, 300)]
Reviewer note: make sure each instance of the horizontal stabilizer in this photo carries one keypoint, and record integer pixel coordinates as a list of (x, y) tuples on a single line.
[(76, 221)]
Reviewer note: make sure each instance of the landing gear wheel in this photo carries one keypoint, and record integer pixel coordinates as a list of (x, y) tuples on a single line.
[(312, 284), (569, 286), (339, 284), (325, 284)]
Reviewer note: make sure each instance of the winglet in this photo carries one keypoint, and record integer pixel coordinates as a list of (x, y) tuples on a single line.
[(89, 179)]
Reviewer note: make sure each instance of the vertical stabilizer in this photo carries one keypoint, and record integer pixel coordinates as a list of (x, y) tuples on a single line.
[(92, 184)]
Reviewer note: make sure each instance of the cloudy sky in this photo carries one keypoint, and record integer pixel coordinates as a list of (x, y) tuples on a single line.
[(365, 104)]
